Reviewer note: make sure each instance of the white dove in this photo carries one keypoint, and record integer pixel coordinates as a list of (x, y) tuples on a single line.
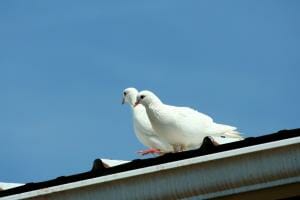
[(142, 126), (182, 127)]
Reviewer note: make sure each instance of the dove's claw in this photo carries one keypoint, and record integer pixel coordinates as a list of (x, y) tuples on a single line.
[(148, 151)]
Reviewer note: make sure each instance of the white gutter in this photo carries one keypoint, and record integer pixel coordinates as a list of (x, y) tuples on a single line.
[(210, 176)]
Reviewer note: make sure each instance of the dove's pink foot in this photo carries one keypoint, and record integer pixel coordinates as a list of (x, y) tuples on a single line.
[(147, 151)]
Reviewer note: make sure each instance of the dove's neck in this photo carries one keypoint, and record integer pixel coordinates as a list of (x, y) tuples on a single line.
[(152, 108), (154, 103), (132, 100), (153, 113)]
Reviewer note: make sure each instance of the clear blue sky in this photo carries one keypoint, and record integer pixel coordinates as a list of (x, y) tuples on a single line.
[(64, 65)]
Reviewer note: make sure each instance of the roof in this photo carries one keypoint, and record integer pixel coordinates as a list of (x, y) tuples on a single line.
[(207, 152), (106, 162)]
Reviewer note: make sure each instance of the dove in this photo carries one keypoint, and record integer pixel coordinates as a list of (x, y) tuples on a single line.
[(142, 126), (182, 127)]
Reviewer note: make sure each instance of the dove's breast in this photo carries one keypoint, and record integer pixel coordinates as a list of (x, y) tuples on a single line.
[(145, 133)]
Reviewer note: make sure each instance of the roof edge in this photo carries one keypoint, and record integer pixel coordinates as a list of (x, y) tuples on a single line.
[(202, 179)]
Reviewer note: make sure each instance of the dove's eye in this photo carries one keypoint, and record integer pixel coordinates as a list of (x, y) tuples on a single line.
[(125, 93), (142, 96)]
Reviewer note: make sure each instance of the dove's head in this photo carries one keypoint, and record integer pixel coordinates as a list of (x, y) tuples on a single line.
[(146, 98), (129, 96)]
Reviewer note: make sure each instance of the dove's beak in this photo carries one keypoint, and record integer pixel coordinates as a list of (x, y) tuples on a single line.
[(123, 100), (136, 103)]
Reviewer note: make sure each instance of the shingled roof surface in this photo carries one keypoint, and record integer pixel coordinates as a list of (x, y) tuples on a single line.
[(100, 170)]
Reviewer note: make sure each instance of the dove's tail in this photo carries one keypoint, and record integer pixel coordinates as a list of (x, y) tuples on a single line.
[(234, 134), (227, 131)]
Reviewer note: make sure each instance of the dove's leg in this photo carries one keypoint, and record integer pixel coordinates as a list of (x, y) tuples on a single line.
[(182, 148), (148, 151), (178, 148), (175, 147)]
